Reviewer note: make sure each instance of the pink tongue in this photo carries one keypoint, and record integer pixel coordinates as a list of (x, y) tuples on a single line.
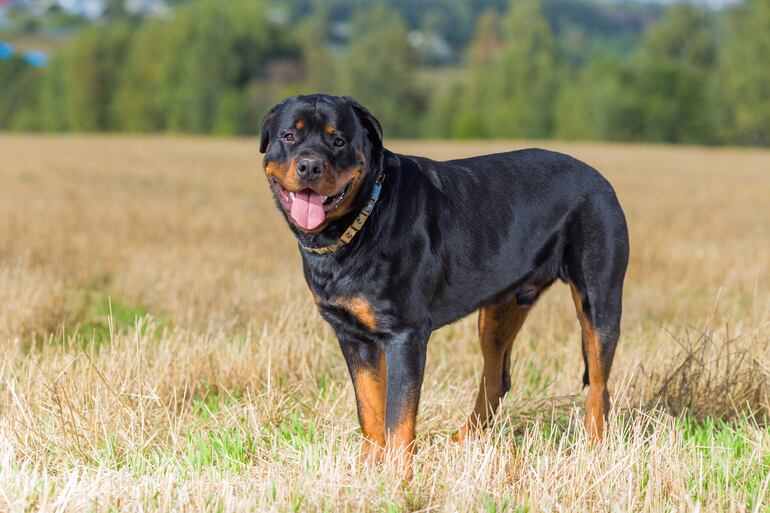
[(307, 209)]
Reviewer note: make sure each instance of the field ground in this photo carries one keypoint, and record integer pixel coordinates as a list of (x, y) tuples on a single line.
[(160, 351)]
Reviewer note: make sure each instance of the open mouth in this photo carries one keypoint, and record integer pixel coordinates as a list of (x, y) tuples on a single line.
[(307, 207)]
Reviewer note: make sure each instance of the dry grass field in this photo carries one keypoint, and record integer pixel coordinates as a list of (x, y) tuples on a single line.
[(159, 350)]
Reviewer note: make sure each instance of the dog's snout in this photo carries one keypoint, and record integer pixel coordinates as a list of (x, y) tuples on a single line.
[(310, 169)]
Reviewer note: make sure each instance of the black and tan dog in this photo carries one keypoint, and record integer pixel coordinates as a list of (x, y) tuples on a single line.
[(396, 246)]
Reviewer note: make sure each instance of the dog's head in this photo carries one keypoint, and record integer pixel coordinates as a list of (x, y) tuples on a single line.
[(320, 151)]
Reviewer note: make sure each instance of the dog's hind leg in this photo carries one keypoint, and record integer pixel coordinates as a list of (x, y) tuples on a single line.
[(498, 327), (598, 349), (596, 264)]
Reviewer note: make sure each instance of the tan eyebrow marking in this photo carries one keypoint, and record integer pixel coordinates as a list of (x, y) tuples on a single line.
[(299, 125), (330, 129)]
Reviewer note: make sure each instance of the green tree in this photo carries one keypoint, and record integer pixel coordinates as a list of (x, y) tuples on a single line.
[(671, 79), (51, 106), (512, 95), (91, 67), (744, 75), (381, 70), (684, 35), (442, 113), (137, 105), (193, 73), (115, 9), (528, 73), (471, 104), (19, 83), (78, 87), (319, 64), (588, 105)]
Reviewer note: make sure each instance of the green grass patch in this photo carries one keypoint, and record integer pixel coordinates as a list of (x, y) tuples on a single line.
[(294, 433), (101, 316), (106, 316), (228, 449), (297, 432), (212, 399), (730, 456), (95, 320)]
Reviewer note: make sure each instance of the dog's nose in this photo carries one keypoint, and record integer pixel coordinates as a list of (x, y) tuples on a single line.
[(310, 169)]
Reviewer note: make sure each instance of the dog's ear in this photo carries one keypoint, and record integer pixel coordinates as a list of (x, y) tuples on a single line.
[(371, 124), (264, 134)]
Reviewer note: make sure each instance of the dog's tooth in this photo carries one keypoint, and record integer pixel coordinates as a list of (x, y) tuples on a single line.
[(291, 195)]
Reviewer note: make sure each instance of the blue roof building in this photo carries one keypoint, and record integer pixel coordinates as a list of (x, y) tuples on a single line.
[(6, 51), (36, 58)]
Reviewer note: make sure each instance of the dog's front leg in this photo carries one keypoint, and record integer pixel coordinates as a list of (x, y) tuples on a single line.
[(405, 355), (366, 363)]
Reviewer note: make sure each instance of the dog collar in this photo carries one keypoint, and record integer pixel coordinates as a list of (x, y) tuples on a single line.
[(354, 228)]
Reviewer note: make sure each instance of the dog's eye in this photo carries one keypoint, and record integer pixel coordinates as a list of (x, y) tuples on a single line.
[(338, 142), (289, 137)]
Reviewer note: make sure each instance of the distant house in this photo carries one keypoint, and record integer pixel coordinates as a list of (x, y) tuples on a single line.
[(432, 45), (34, 7), (6, 51), (149, 8), (91, 9), (36, 58)]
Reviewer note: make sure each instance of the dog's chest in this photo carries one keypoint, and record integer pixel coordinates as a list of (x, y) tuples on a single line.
[(342, 299)]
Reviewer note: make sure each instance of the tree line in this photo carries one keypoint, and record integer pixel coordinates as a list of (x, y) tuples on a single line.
[(214, 67)]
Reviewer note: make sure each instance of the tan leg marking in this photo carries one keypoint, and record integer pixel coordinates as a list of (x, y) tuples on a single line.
[(498, 327), (597, 403), (401, 443), (370, 387)]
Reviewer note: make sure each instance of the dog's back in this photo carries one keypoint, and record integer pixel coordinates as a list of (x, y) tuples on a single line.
[(498, 225)]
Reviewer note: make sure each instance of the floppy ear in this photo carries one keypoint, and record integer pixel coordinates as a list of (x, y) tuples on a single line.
[(264, 134), (371, 124)]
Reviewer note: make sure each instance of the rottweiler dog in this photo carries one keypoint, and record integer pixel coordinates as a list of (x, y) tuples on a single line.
[(395, 246)]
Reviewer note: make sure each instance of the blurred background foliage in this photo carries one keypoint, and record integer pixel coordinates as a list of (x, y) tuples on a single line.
[(568, 69)]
